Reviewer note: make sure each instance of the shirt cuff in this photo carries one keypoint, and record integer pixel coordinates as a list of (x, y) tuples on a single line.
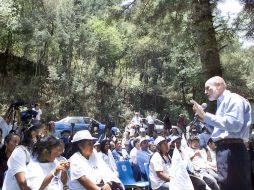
[(209, 118)]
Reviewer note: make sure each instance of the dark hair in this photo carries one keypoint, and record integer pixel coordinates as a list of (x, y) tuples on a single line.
[(48, 142), (158, 149), (65, 131), (1, 130), (13, 131), (103, 145), (210, 141), (8, 137), (27, 138), (72, 148), (135, 141), (117, 140), (50, 125)]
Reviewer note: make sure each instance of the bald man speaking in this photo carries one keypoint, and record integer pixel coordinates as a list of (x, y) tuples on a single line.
[(231, 124)]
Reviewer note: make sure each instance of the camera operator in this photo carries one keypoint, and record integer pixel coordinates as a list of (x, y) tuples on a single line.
[(38, 110), (109, 124), (5, 123), (14, 120)]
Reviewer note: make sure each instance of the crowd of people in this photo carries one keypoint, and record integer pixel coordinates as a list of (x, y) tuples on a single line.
[(42, 158), (55, 160)]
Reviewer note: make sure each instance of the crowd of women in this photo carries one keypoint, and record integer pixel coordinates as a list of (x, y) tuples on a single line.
[(39, 159), (43, 158)]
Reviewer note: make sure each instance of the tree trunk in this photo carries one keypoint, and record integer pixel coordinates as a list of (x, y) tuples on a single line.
[(205, 38)]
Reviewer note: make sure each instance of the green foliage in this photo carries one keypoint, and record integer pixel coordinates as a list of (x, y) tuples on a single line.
[(96, 57), (8, 15)]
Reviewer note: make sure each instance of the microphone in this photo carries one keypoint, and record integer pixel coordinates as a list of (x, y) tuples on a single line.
[(204, 106)]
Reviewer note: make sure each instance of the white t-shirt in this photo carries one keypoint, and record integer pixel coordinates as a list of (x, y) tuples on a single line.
[(133, 155), (39, 112), (110, 161), (136, 120), (125, 140), (17, 162), (93, 168), (37, 171), (213, 156), (150, 119), (158, 164), (5, 127), (198, 162)]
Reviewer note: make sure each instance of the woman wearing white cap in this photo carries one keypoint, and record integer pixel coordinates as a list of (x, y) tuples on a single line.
[(160, 165), (87, 169)]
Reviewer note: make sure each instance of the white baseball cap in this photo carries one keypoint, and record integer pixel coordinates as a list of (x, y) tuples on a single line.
[(174, 138), (158, 140), (82, 135), (143, 139)]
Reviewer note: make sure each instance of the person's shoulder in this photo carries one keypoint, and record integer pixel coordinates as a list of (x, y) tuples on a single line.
[(231, 95), (139, 152), (236, 98), (114, 152), (133, 152), (156, 156), (20, 151), (189, 150), (201, 135), (33, 163), (76, 156)]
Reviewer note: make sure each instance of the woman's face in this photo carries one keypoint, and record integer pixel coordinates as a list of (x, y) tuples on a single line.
[(45, 130), (164, 147), (52, 154), (174, 131), (137, 145), (107, 146), (195, 144), (212, 145), (178, 143), (144, 144), (87, 148), (14, 141), (34, 135)]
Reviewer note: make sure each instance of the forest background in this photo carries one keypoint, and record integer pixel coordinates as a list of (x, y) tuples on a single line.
[(92, 57)]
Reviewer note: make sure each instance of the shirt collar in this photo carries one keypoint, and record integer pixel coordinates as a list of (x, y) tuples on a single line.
[(221, 97)]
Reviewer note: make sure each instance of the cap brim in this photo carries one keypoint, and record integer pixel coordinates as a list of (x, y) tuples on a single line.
[(92, 138)]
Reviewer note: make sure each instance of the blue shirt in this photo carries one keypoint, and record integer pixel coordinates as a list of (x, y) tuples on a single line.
[(232, 118), (120, 155), (203, 139), (143, 156)]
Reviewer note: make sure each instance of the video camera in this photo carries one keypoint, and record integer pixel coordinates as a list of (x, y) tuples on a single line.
[(27, 115), (16, 103)]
